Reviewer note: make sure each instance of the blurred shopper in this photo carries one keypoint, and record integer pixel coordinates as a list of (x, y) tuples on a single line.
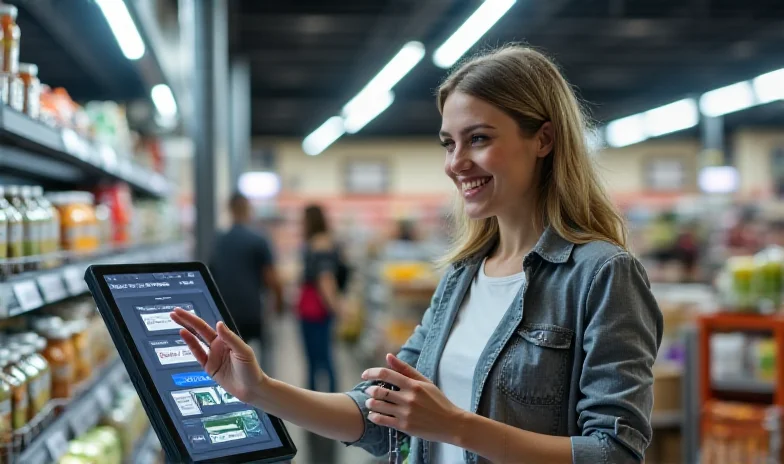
[(244, 268), (319, 297), (539, 343)]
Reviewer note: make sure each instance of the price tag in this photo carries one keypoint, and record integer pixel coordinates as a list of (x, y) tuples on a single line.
[(85, 417), (75, 145), (52, 287), (104, 397), (73, 280), (108, 158), (57, 444), (7, 300), (27, 294)]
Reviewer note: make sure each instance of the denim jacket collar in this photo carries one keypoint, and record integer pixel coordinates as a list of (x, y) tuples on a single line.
[(550, 247)]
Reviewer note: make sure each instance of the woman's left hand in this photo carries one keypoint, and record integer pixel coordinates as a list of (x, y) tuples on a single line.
[(418, 409)]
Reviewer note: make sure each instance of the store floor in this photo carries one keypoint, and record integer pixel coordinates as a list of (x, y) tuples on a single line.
[(290, 367)]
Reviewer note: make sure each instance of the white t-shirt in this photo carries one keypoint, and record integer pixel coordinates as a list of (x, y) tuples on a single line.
[(485, 304)]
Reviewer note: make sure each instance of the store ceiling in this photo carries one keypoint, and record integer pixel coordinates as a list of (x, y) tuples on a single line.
[(309, 57)]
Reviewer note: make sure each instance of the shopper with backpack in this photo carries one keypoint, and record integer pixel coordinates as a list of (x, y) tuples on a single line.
[(324, 275)]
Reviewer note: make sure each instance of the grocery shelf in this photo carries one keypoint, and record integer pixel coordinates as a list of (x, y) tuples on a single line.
[(743, 385), (144, 451), (39, 151), (82, 413), (667, 419), (30, 291)]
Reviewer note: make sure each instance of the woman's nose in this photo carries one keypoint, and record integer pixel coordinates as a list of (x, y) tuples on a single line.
[(460, 161)]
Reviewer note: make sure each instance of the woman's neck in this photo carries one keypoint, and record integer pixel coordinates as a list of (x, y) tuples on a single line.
[(517, 237)]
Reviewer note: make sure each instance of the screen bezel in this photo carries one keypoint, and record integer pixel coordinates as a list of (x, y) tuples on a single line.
[(287, 451)]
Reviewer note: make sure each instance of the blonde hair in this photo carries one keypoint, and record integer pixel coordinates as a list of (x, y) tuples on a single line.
[(570, 198)]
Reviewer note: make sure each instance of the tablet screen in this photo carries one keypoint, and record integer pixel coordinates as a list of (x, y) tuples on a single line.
[(211, 422)]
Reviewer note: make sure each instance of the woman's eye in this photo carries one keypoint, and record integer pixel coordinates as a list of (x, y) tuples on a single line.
[(478, 139), (448, 144)]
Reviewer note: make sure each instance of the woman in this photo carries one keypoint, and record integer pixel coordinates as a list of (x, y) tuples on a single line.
[(539, 342), (319, 297)]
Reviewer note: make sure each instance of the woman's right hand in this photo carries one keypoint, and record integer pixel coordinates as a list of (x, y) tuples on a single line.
[(229, 361)]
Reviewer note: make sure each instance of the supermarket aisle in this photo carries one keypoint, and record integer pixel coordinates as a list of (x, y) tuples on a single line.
[(290, 367)]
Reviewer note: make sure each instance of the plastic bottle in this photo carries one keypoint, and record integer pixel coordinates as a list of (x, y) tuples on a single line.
[(15, 250), (20, 402)]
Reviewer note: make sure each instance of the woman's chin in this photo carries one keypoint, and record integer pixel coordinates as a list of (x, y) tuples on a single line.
[(476, 212)]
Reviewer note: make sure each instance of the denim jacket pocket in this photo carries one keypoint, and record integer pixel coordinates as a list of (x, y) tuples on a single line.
[(533, 368)]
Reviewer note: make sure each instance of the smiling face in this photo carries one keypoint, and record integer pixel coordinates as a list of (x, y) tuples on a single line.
[(491, 161)]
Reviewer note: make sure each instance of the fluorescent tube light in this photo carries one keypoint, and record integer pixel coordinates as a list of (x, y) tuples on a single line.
[(769, 87), (123, 28), (471, 31), (626, 131), (164, 102), (324, 136), (673, 117), (397, 68), (728, 99), (364, 111)]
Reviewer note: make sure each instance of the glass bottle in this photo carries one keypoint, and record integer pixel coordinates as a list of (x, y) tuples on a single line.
[(37, 345), (20, 355), (15, 250), (32, 89), (3, 236), (10, 39), (20, 402)]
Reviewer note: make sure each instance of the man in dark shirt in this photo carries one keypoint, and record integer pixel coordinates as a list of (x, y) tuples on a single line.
[(244, 267)]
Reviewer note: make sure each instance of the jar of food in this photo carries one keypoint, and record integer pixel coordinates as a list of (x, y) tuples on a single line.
[(20, 355), (38, 344), (20, 401), (10, 39), (32, 89), (81, 342), (103, 215), (78, 224), (52, 229), (15, 249), (60, 355)]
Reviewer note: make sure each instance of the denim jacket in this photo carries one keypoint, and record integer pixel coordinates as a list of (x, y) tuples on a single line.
[(572, 356)]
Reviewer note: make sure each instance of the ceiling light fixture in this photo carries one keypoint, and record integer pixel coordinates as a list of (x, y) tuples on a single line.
[(397, 68), (673, 117), (769, 87), (366, 110), (123, 28), (626, 131), (727, 99), (324, 136), (471, 31), (164, 102)]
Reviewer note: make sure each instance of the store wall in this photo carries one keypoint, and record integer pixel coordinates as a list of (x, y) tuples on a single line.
[(752, 151), (415, 165)]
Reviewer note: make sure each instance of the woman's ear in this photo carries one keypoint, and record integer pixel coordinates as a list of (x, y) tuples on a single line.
[(545, 138)]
